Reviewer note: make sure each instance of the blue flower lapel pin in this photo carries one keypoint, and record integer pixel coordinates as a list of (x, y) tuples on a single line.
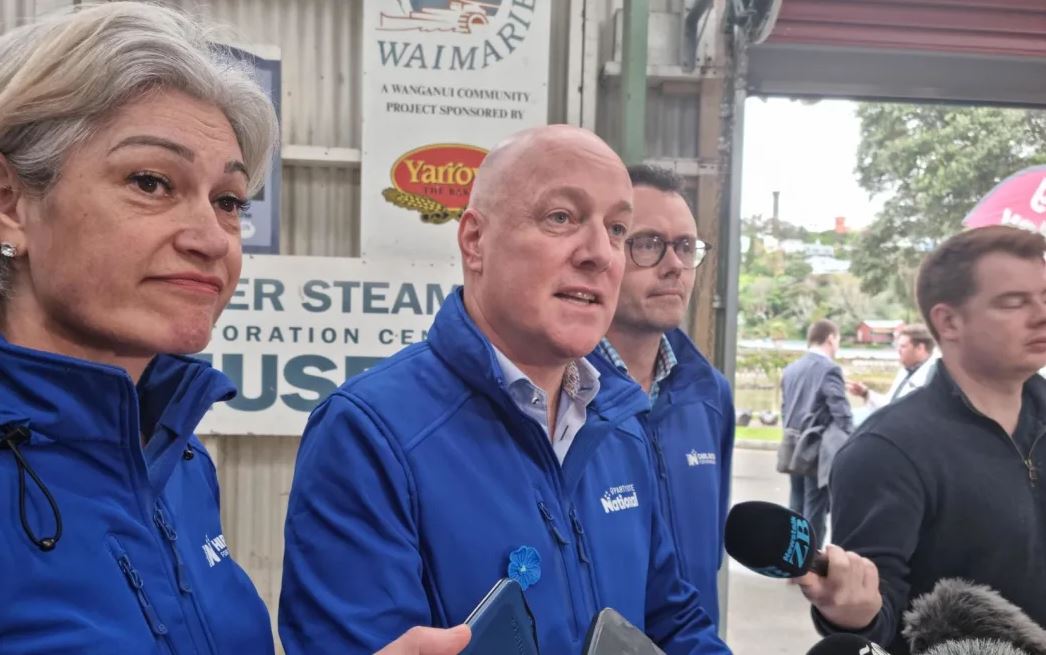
[(524, 566)]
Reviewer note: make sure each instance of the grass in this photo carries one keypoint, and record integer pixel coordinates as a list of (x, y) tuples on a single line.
[(759, 432)]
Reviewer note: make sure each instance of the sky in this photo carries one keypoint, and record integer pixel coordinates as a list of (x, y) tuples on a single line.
[(807, 151)]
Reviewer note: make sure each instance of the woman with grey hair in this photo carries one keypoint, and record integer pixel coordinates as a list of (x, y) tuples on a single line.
[(129, 145)]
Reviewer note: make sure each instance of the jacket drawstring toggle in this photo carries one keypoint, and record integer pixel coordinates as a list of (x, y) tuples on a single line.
[(13, 436)]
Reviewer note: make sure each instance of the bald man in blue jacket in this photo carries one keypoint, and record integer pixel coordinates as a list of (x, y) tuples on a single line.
[(496, 448)]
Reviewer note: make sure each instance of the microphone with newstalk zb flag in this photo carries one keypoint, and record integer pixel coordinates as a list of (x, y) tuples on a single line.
[(773, 540)]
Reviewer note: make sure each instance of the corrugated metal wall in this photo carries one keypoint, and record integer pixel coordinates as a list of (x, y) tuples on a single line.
[(684, 125), (996, 27), (319, 42), (255, 474), (970, 51), (16, 12)]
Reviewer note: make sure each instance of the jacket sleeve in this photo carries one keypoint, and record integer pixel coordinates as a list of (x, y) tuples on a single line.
[(878, 504), (876, 400), (352, 573), (834, 391), (726, 456), (674, 618), (784, 417)]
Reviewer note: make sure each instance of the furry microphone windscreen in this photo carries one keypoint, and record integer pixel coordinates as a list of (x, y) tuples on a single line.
[(956, 610), (974, 647)]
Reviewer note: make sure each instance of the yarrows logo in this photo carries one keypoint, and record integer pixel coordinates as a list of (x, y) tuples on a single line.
[(694, 458), (215, 550), (619, 498)]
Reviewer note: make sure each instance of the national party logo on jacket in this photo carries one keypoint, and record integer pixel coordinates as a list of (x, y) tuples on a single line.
[(621, 497), (215, 550), (694, 458), (489, 31), (435, 180)]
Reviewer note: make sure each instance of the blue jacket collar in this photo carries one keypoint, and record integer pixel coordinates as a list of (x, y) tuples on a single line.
[(459, 343), (692, 369), (65, 399), (622, 396)]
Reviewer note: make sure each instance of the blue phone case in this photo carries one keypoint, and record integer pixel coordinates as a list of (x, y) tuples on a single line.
[(502, 623)]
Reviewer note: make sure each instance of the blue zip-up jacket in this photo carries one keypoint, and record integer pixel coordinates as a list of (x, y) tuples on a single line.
[(141, 566), (691, 427), (416, 480)]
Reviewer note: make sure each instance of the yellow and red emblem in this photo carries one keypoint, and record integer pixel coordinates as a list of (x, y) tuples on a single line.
[(435, 180)]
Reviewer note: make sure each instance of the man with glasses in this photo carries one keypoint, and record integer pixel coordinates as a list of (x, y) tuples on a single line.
[(691, 423)]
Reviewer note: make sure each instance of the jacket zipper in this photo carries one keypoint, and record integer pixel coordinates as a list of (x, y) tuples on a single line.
[(171, 536), (666, 495), (562, 542), (1033, 471), (586, 561), (1029, 464), (551, 462), (182, 573), (134, 579), (662, 467)]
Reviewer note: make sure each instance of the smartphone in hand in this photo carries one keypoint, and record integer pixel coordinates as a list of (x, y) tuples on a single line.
[(502, 623), (612, 634)]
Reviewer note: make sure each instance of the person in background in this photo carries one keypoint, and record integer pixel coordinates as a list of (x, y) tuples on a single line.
[(813, 385), (947, 482), (915, 349), (496, 448), (691, 422), (129, 144)]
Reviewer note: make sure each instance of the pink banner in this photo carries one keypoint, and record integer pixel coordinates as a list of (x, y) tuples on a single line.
[(1019, 200)]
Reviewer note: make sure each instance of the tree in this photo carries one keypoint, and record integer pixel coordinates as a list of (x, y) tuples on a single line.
[(770, 363), (935, 163), (755, 226)]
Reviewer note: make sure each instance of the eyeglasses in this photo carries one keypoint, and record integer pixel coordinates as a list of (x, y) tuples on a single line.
[(648, 250)]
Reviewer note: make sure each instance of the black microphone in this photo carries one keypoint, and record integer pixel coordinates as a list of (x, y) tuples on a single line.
[(844, 643), (958, 610), (974, 647), (773, 540)]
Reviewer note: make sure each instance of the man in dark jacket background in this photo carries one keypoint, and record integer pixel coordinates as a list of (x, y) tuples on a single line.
[(691, 423), (947, 481), (813, 384)]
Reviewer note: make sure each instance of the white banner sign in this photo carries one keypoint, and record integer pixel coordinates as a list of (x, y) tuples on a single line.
[(443, 82), (297, 327)]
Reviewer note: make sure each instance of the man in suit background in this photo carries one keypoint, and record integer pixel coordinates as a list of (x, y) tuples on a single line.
[(810, 385), (915, 350)]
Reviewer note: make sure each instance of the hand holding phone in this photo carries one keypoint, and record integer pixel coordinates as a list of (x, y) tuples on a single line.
[(502, 623)]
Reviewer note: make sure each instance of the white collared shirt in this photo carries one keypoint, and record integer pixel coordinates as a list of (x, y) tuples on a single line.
[(533, 401)]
